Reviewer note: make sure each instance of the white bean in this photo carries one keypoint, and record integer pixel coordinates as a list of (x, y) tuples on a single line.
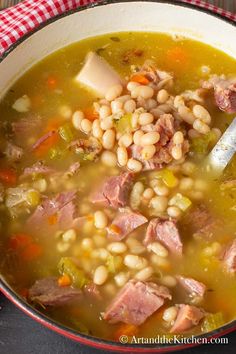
[(134, 165), (65, 111), (174, 212), (188, 168), (109, 158), (186, 114), (159, 203), (121, 278), (77, 118), (144, 274), (100, 275), (145, 92), (148, 152), (131, 85), (135, 246), (130, 106), (135, 262), (158, 249), (100, 219), (170, 314), (150, 138), (107, 123), (201, 127), (137, 137), (87, 243), (116, 106), (201, 113), (150, 104), (178, 138), (86, 126), (186, 183), (145, 118), (104, 111), (96, 129), (126, 140), (160, 189), (148, 193), (176, 152), (108, 139), (113, 92), (122, 156), (169, 281), (162, 96), (117, 247), (69, 235)]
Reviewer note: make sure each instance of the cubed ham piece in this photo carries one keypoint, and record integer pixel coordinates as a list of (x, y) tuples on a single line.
[(201, 223), (224, 92), (58, 212), (192, 286), (136, 302), (38, 168), (124, 223), (92, 291), (13, 152), (98, 75), (148, 165), (229, 257), (166, 232), (114, 191), (188, 317), (47, 292)]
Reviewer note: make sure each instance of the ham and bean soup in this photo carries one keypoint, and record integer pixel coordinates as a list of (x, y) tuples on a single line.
[(110, 221)]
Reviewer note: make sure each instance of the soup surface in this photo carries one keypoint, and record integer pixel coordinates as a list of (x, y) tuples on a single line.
[(110, 222)]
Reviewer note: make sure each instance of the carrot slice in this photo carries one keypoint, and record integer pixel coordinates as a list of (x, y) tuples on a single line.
[(31, 252), (90, 113), (8, 176), (52, 82), (64, 280), (19, 241), (141, 79), (125, 329)]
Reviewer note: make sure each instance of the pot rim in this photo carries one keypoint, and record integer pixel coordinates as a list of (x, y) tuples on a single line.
[(52, 324)]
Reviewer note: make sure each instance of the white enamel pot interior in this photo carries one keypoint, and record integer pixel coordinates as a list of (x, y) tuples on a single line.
[(152, 16)]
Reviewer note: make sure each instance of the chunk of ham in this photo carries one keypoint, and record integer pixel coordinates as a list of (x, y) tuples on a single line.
[(166, 232), (192, 286), (47, 292), (43, 139), (114, 191), (136, 302), (188, 317), (98, 75), (148, 165), (38, 168), (124, 223), (13, 152), (224, 92), (58, 212), (229, 257)]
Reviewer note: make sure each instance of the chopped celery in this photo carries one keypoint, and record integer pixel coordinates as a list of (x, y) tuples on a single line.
[(85, 156), (66, 133), (167, 177), (212, 321), (33, 198), (114, 263), (55, 153), (182, 202), (67, 266), (204, 143), (123, 125)]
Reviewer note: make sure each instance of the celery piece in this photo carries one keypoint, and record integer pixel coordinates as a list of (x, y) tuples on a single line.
[(113, 263), (123, 125), (167, 177), (55, 153), (212, 321), (33, 197), (66, 133), (203, 144), (182, 202), (67, 266)]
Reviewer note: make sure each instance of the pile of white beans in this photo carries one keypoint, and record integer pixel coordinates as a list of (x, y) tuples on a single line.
[(145, 105)]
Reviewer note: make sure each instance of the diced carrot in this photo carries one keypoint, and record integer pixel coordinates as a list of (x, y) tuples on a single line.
[(52, 82), (125, 329), (141, 79), (46, 145), (8, 176), (64, 280), (31, 252), (52, 219), (24, 293), (90, 113), (54, 123), (19, 241), (177, 55), (115, 229)]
